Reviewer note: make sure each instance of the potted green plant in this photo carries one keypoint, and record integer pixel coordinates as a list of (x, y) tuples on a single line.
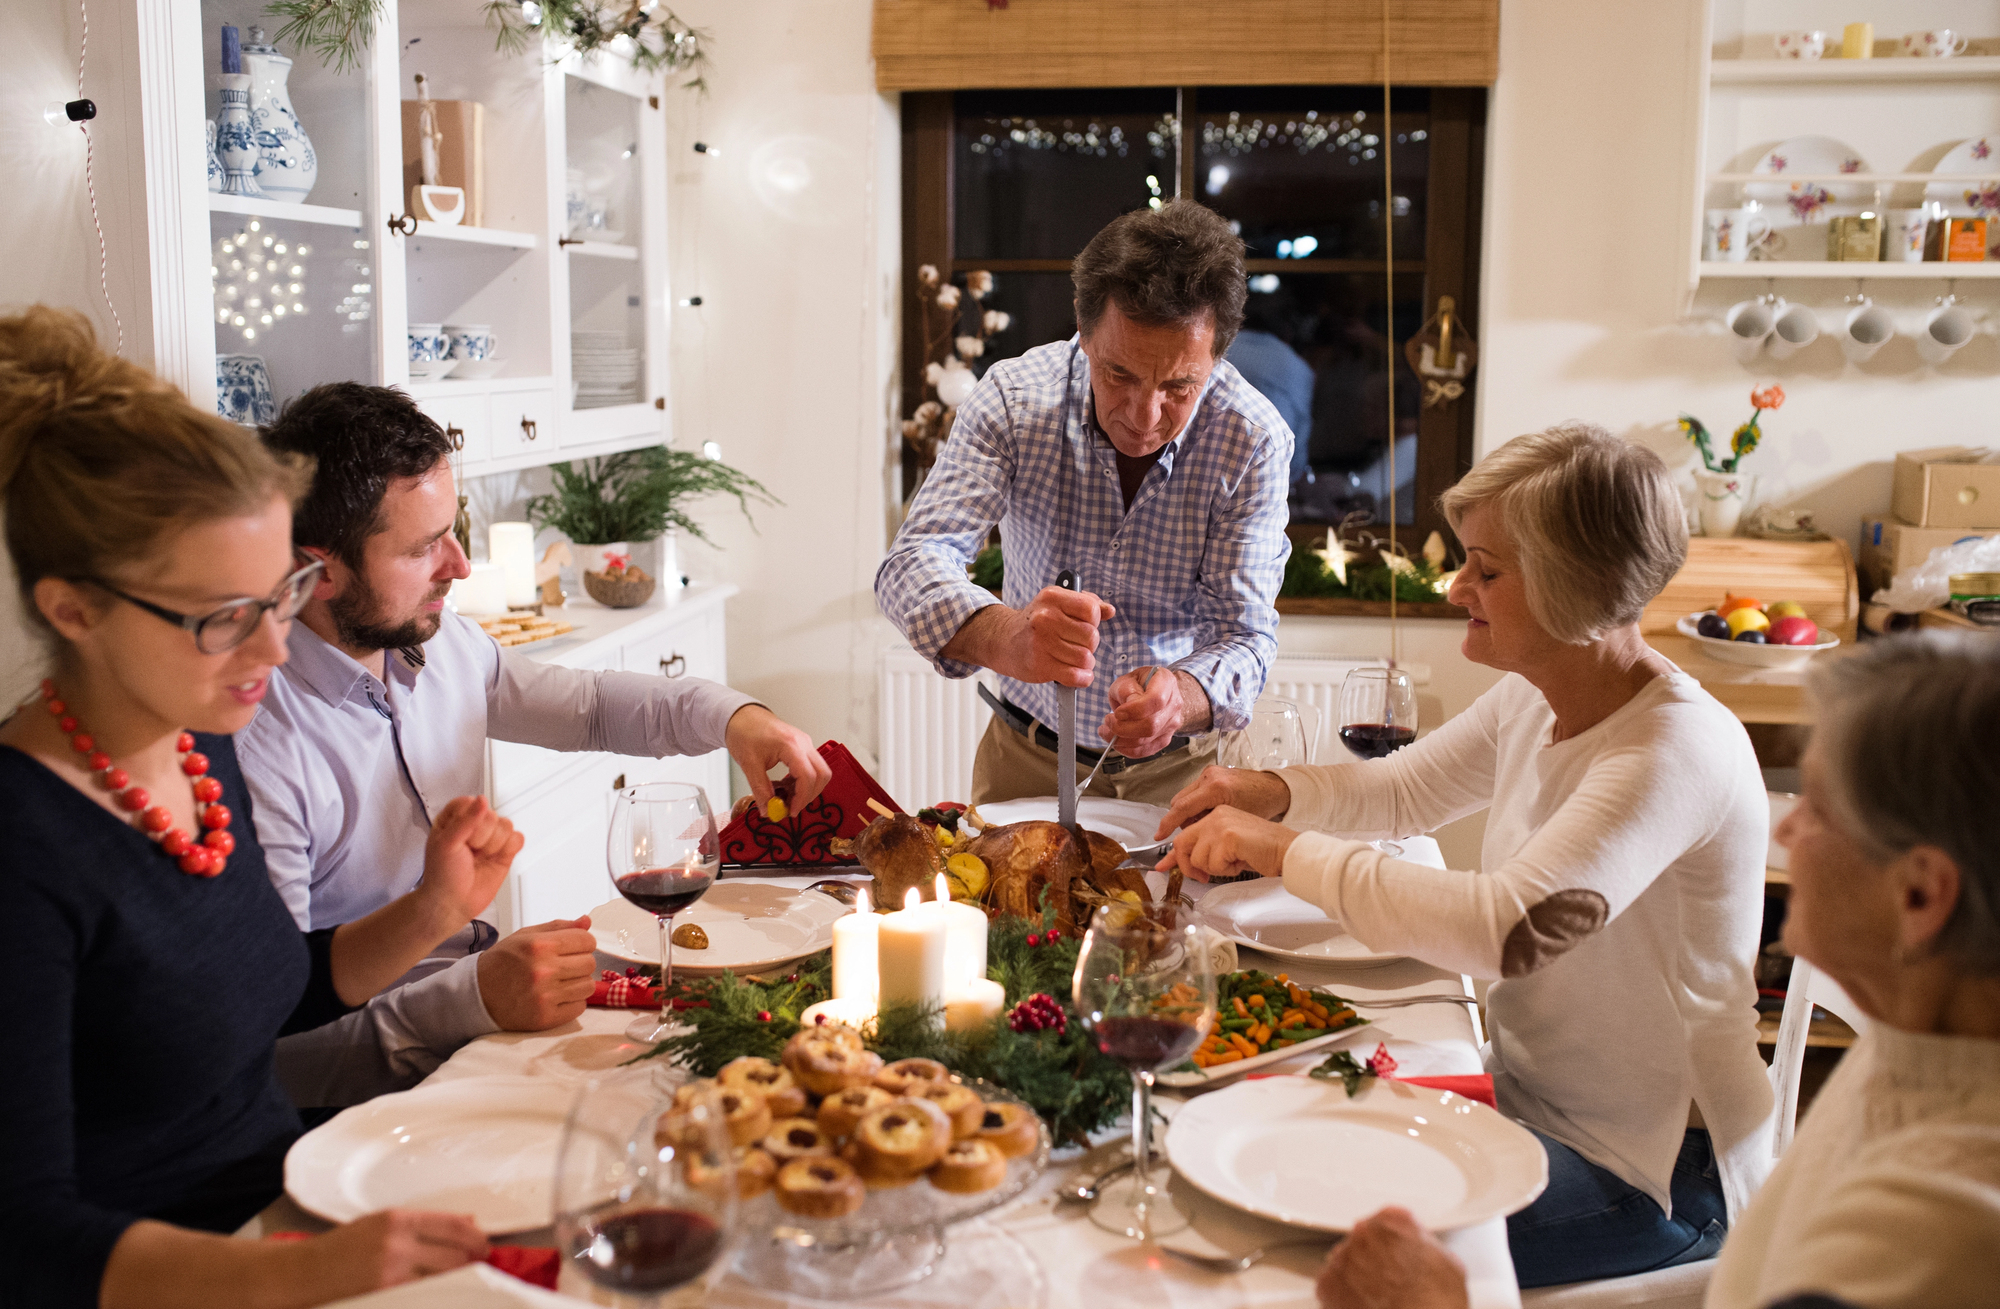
[(605, 505)]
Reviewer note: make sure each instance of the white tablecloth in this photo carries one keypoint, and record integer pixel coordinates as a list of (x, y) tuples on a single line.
[(1064, 1261)]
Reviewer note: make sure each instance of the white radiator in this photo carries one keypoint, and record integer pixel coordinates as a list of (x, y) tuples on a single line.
[(931, 724)]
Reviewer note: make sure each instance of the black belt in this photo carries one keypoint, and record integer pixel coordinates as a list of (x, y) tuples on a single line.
[(1025, 723)]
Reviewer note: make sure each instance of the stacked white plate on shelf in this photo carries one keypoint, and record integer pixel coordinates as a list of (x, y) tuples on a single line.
[(605, 369)]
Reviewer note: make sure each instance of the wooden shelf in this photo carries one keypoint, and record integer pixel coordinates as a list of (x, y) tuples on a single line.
[(281, 211), (1855, 179), (477, 235), (1847, 272), (1779, 72), (600, 249)]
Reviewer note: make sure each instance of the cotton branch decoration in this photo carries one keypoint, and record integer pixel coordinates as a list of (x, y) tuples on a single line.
[(949, 381), (645, 33)]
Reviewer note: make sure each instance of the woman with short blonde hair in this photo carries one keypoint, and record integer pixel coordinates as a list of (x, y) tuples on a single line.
[(1620, 894)]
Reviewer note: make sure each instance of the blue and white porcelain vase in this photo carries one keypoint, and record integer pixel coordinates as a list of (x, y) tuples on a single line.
[(243, 390), (235, 140), (214, 164), (286, 164)]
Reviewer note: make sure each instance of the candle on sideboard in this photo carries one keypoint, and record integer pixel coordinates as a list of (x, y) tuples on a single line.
[(512, 546), (854, 953), (978, 1003), (965, 941), (909, 951), (481, 591)]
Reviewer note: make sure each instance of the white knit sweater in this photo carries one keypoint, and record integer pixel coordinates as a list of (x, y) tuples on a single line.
[(1620, 899), (1890, 1195)]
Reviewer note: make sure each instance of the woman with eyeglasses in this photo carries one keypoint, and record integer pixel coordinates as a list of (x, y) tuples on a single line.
[(152, 964)]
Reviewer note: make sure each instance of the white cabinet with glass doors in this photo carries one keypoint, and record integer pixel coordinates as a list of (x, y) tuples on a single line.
[(566, 265)]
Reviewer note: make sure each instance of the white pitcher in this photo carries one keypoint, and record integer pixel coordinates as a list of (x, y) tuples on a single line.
[(286, 164)]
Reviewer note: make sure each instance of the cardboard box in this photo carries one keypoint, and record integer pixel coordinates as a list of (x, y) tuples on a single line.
[(1890, 546), (461, 159), (1947, 486)]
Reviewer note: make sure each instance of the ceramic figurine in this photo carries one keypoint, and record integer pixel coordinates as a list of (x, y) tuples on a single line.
[(286, 164), (235, 140)]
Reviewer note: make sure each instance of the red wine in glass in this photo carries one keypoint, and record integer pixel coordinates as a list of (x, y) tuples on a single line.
[(1374, 740), (646, 1251), (664, 892), (1145, 1043)]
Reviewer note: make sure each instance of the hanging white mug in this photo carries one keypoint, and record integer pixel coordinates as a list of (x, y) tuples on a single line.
[(1904, 240), (1793, 329), (1946, 328), (1866, 329), (1728, 235), (1750, 322)]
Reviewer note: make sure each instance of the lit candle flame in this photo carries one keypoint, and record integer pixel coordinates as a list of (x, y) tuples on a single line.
[(911, 899), (862, 904), (943, 890)]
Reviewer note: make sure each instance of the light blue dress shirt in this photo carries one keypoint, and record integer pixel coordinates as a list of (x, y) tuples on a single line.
[(1192, 567), (345, 772)]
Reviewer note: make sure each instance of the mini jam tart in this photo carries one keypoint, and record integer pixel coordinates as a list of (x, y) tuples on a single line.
[(908, 1076), (961, 1104), (754, 1173), (839, 1112), (795, 1138), (1010, 1128), (825, 1060), (745, 1116), (969, 1167), (901, 1139), (779, 1089), (822, 1187)]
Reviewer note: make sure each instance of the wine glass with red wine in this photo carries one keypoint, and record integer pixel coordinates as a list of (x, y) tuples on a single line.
[(1146, 993), (1378, 711), (664, 853), (645, 1194)]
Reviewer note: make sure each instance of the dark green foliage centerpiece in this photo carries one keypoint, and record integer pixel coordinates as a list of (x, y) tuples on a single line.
[(1035, 1049), (637, 495)]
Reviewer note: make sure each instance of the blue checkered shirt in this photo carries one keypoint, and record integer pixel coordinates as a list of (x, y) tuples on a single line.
[(1192, 567)]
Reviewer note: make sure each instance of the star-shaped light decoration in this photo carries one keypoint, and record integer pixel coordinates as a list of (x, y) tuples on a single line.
[(1336, 555)]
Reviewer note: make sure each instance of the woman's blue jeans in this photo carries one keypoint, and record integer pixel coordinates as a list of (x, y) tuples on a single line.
[(1592, 1224)]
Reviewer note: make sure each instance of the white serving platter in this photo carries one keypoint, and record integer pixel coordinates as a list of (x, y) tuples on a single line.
[(752, 925), (1262, 915)]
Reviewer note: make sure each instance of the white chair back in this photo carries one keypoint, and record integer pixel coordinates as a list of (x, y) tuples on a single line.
[(1809, 987)]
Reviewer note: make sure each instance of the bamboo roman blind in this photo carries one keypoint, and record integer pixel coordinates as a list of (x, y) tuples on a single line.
[(945, 45)]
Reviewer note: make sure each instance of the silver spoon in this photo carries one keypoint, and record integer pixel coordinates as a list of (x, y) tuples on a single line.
[(1085, 1191), (1225, 1264), (845, 892)]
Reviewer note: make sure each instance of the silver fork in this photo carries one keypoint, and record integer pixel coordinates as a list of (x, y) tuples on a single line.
[(1226, 1264), (1405, 1001), (1107, 751)]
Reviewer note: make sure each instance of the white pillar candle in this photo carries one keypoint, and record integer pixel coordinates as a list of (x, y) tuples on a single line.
[(909, 954), (480, 592), (854, 953), (965, 941), (976, 1005), (512, 546)]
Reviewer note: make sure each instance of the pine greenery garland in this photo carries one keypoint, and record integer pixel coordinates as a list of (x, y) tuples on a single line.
[(1061, 1075)]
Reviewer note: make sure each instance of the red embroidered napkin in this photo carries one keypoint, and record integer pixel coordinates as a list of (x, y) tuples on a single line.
[(538, 1265), (801, 836), (631, 990)]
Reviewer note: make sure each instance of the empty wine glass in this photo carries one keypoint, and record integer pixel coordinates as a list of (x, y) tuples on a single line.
[(1378, 711), (1146, 992), (1280, 734), (664, 852), (645, 1186)]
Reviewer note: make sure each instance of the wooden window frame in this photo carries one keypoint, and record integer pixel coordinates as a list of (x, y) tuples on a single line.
[(1450, 264)]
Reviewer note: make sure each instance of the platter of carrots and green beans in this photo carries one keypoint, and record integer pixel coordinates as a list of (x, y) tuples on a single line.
[(1262, 1018)]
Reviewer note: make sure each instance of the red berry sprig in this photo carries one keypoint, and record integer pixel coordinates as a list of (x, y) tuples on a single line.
[(1040, 1012)]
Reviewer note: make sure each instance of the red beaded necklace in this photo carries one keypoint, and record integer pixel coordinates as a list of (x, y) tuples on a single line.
[(204, 858)]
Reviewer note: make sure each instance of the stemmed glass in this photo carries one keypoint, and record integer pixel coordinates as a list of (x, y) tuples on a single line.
[(645, 1186), (1378, 711), (1280, 734), (664, 852), (1146, 993)]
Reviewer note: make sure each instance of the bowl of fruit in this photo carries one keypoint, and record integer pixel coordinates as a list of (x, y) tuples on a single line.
[(1743, 630)]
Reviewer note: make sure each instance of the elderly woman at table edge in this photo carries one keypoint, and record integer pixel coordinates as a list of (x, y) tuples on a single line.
[(1890, 1195), (142, 1118), (1622, 887)]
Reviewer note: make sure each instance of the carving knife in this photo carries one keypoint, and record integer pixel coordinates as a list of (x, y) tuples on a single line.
[(1066, 732)]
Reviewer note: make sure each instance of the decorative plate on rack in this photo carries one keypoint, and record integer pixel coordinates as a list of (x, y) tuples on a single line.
[(1810, 156), (1978, 196)]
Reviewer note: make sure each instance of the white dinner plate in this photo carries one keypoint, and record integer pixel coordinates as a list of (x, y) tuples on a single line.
[(1301, 1151), (1978, 161), (1263, 915), (1127, 822), (752, 925), (1750, 653), (484, 1146), (1810, 202)]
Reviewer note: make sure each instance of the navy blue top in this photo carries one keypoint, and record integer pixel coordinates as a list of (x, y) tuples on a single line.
[(140, 1080)]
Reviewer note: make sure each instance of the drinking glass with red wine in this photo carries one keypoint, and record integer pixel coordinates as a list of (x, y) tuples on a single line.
[(1146, 993), (664, 852), (1378, 711), (645, 1187)]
